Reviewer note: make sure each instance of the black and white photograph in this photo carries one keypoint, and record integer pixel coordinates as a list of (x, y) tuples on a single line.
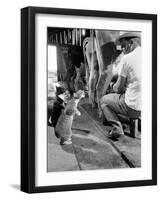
[(90, 99), (79, 100), (93, 99)]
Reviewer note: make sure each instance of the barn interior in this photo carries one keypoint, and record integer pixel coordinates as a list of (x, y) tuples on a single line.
[(72, 53)]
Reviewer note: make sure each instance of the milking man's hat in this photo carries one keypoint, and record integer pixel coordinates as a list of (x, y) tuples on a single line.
[(128, 36)]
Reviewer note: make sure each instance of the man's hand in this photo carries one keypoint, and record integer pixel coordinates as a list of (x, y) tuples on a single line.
[(119, 86), (110, 90)]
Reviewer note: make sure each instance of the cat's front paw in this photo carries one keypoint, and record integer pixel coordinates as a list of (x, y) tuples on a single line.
[(78, 113)]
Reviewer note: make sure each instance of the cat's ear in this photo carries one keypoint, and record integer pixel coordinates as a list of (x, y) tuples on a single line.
[(74, 94), (76, 68), (78, 112)]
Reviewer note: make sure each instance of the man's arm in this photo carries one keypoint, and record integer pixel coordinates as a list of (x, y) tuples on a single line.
[(119, 86)]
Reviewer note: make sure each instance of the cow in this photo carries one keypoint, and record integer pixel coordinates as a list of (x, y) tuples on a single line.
[(92, 68), (99, 53), (69, 61)]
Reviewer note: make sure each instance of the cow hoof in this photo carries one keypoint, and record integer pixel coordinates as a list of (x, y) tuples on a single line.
[(100, 114), (94, 105)]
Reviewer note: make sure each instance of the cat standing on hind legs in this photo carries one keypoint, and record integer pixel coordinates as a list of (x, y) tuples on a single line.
[(64, 124)]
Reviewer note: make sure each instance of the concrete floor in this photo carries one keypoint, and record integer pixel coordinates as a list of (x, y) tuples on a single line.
[(128, 147), (92, 149)]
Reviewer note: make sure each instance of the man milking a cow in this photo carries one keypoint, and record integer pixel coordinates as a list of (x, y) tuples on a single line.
[(124, 98), (121, 98)]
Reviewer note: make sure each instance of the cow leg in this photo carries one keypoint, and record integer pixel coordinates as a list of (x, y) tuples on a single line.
[(105, 51), (90, 75), (92, 69), (102, 86), (101, 82), (93, 79), (88, 59), (91, 88), (86, 69)]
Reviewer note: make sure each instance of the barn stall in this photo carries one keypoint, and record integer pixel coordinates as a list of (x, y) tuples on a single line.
[(83, 59)]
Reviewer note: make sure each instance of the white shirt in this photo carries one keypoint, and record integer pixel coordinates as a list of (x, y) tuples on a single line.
[(116, 64), (130, 68)]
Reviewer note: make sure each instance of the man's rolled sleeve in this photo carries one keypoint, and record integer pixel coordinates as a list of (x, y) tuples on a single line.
[(122, 68)]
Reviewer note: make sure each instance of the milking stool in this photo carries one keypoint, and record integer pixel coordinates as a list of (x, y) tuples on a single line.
[(134, 126), (132, 122)]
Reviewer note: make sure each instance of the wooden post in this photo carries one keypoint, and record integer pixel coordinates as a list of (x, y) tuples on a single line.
[(73, 37), (76, 36), (132, 128), (56, 38), (65, 38), (80, 36), (68, 36), (61, 40)]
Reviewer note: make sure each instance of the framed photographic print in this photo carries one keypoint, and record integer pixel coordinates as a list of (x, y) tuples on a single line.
[(88, 99)]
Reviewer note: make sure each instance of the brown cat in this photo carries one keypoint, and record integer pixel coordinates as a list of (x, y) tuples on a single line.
[(64, 123)]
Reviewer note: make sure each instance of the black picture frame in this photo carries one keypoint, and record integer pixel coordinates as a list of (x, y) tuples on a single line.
[(28, 98)]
